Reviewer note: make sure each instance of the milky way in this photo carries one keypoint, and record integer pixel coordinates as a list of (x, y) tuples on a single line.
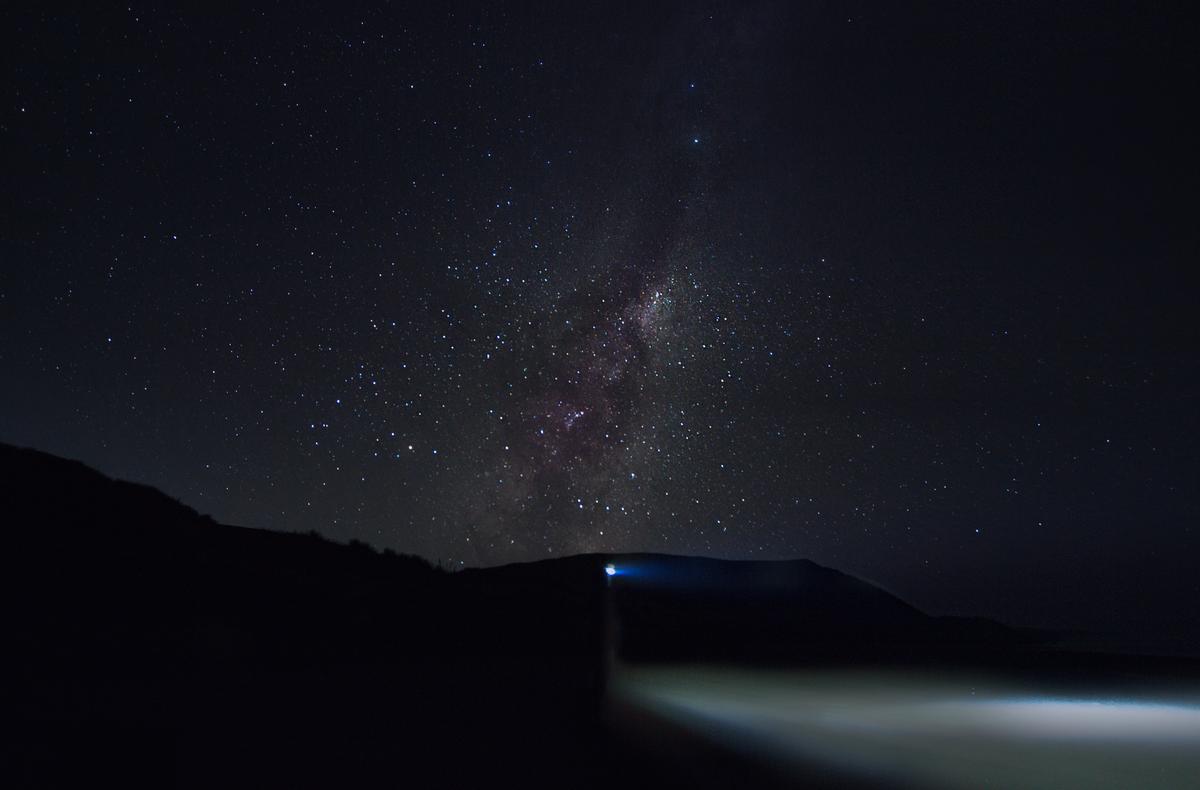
[(898, 288), (569, 452)]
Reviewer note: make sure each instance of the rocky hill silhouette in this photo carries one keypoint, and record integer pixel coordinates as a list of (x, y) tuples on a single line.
[(148, 643)]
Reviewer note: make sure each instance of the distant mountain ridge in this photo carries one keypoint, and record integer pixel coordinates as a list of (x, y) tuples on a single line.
[(138, 546), (146, 637)]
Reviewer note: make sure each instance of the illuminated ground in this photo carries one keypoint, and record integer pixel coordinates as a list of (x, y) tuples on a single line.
[(931, 731)]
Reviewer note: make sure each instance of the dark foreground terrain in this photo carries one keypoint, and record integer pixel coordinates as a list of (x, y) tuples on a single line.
[(148, 645)]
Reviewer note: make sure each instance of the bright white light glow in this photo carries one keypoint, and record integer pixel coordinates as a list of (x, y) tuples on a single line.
[(927, 731), (1075, 719), (611, 570)]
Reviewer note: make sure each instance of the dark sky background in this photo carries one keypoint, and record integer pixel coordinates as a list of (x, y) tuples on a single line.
[(900, 288)]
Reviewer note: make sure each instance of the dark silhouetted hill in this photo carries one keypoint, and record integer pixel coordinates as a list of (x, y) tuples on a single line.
[(688, 608), (148, 644)]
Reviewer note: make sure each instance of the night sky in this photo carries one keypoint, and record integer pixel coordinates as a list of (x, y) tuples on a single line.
[(900, 288)]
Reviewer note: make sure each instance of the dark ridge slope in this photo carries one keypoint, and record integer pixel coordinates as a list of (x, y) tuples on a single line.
[(146, 638)]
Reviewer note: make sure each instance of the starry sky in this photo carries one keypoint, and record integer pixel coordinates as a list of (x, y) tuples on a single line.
[(900, 288)]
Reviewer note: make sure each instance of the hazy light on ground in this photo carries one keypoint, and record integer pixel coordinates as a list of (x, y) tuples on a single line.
[(1076, 719), (931, 731)]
